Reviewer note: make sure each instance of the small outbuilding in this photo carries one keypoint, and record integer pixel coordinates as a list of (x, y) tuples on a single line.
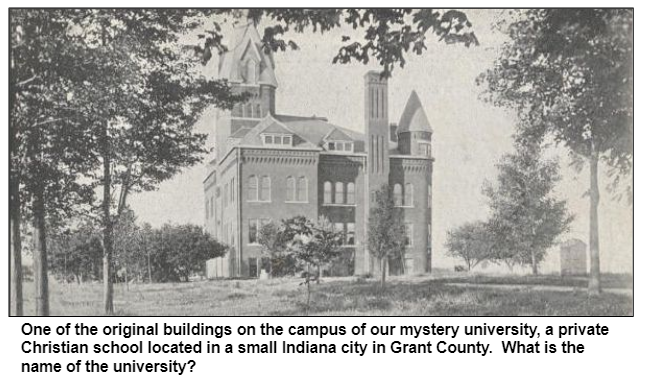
[(574, 259)]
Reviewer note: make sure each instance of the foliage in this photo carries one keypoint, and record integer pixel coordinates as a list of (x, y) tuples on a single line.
[(388, 34), (171, 253), (312, 245), (274, 246), (76, 254), (526, 219), (386, 231), (571, 70), (570, 73), (472, 243)]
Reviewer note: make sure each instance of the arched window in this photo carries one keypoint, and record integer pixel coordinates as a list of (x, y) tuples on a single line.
[(265, 189), (290, 188), (397, 195), (327, 192), (350, 198), (338, 192), (252, 188), (409, 194), (301, 195), (251, 72)]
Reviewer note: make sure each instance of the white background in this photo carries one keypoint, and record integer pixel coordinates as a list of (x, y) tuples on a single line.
[(616, 358)]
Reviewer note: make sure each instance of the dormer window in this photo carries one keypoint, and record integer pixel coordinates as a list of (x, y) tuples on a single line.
[(340, 146), (283, 140), (251, 72)]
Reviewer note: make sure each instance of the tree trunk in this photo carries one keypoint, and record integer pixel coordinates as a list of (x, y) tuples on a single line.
[(594, 281), (16, 248), (384, 267), (534, 265), (40, 255), (108, 236)]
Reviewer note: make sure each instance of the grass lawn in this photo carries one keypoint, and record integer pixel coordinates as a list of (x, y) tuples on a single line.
[(413, 296)]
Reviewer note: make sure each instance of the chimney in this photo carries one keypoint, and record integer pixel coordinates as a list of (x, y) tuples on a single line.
[(377, 130), (393, 132)]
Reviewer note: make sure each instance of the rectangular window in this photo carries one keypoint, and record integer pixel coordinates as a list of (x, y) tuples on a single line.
[(350, 234), (226, 195), (409, 235), (212, 208), (206, 208), (232, 186), (428, 237), (301, 193), (348, 147), (351, 196), (331, 146), (287, 140), (269, 139), (338, 193), (339, 227), (253, 231)]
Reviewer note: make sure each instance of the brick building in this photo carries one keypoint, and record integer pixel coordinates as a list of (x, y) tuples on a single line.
[(270, 166)]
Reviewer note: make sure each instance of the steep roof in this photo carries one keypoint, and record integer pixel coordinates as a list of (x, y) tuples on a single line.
[(414, 118), (246, 41), (336, 134)]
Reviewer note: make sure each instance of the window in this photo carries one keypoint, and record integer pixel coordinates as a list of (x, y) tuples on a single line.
[(278, 140), (253, 231), (340, 146), (252, 69), (428, 236), (233, 186), (349, 236), (226, 195), (339, 227), (350, 199), (409, 235), (212, 208), (338, 193), (408, 195), (301, 194), (256, 111), (425, 150), (289, 189), (397, 194), (265, 189), (327, 192), (252, 188), (429, 197)]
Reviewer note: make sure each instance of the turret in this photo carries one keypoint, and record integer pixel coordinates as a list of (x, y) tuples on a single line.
[(414, 132)]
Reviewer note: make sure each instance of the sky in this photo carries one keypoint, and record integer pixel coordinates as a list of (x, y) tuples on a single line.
[(469, 137)]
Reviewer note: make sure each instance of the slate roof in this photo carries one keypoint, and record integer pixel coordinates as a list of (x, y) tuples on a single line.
[(414, 118)]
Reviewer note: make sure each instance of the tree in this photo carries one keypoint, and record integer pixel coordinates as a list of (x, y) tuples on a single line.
[(121, 78), (76, 253), (46, 143), (313, 245), (526, 219), (388, 34), (386, 231), (571, 70), (274, 246), (472, 243)]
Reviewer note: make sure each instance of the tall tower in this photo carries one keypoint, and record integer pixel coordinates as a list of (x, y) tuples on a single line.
[(377, 138), (414, 132), (248, 68), (377, 130)]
